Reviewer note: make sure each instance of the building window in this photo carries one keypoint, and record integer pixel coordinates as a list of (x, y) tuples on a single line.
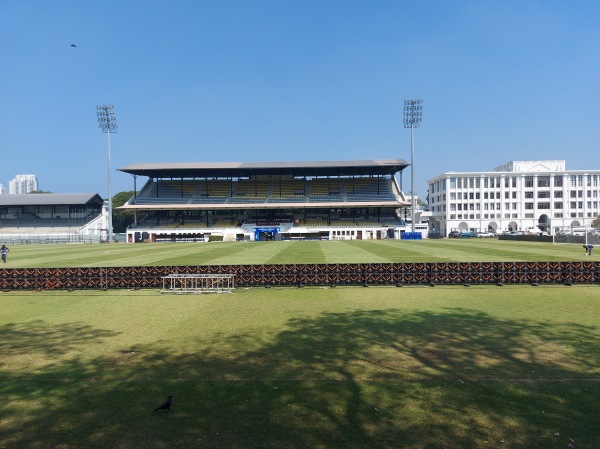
[(528, 206), (558, 205), (558, 181), (528, 181), (573, 179), (528, 195), (514, 181), (573, 205), (543, 205), (453, 183), (558, 194), (543, 194), (459, 184), (543, 181), (477, 183)]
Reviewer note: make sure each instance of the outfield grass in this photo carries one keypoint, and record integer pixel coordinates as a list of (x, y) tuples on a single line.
[(449, 367), (365, 251)]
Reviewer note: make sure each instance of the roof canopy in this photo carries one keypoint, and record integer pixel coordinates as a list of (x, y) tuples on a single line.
[(50, 199), (248, 169)]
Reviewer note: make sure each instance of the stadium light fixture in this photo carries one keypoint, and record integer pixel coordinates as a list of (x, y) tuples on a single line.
[(413, 113), (107, 122)]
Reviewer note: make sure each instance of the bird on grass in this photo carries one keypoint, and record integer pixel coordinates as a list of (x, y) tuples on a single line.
[(166, 406)]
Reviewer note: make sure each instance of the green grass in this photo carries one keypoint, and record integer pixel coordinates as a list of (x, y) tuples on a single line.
[(457, 250), (424, 368)]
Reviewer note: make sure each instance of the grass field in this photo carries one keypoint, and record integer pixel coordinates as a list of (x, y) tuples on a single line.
[(299, 368), (445, 250), (350, 367)]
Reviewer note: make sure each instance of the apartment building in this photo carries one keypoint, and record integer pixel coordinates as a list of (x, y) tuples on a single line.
[(22, 184), (515, 196)]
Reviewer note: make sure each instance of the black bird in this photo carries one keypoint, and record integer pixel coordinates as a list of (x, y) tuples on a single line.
[(73, 45), (166, 406)]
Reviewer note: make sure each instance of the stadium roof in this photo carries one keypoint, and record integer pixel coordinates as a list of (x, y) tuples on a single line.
[(49, 199), (247, 169)]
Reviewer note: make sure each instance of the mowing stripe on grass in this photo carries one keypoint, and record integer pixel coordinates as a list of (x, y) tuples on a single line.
[(237, 253)]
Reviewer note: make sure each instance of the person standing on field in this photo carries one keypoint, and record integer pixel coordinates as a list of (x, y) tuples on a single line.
[(4, 250)]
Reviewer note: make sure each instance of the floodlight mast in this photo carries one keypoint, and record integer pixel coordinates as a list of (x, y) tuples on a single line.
[(413, 113), (107, 122)]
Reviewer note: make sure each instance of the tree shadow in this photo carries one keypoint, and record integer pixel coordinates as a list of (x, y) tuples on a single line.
[(455, 378)]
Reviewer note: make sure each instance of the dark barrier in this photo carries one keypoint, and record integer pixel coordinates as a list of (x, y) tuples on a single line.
[(365, 274)]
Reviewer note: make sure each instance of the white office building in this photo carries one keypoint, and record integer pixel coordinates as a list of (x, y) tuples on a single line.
[(514, 197), (22, 184)]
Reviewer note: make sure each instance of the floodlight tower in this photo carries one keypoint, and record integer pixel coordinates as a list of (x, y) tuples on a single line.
[(107, 122), (413, 113)]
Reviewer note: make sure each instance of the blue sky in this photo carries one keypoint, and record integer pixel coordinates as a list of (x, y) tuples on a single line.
[(291, 80)]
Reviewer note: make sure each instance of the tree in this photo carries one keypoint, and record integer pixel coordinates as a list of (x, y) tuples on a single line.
[(596, 222), (122, 218)]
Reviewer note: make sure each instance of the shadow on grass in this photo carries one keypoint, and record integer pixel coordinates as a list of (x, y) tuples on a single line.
[(364, 379)]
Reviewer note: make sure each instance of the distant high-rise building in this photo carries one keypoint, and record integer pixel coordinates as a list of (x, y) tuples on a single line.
[(1, 189), (22, 184)]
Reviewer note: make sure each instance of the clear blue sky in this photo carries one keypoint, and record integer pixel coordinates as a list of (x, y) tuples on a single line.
[(290, 80)]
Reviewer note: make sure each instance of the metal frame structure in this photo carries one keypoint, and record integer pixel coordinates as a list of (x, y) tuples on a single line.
[(198, 283)]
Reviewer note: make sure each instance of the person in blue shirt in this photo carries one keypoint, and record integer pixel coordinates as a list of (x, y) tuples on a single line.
[(588, 249), (4, 250)]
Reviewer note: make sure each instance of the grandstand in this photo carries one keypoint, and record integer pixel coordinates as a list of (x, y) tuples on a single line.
[(52, 218), (268, 201)]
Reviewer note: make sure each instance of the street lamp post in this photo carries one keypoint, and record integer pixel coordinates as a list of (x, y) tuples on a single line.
[(413, 113), (107, 122)]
